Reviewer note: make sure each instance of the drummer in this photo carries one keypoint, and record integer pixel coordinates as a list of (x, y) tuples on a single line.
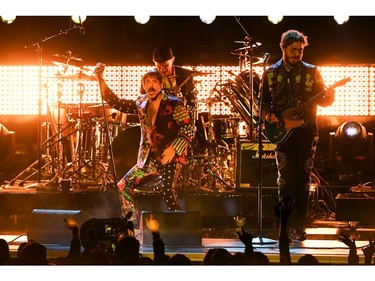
[(178, 81)]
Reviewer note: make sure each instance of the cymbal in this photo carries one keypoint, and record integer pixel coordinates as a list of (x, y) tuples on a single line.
[(256, 60), (77, 76), (67, 57), (248, 47), (65, 65)]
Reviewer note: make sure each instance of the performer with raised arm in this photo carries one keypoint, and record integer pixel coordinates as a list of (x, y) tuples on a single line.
[(166, 132)]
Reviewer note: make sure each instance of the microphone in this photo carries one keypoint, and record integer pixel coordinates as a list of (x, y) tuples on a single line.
[(266, 57), (80, 26)]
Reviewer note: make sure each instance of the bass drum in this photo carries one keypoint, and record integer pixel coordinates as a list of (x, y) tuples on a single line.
[(125, 148)]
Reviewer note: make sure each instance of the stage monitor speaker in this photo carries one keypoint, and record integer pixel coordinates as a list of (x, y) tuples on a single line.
[(356, 206), (177, 229), (47, 226), (248, 164)]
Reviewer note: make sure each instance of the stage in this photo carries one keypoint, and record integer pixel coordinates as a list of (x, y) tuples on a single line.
[(27, 212)]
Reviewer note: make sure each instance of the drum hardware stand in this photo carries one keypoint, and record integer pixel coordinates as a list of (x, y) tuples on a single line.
[(47, 159), (112, 184), (49, 163), (212, 154), (85, 153), (249, 42), (39, 49)]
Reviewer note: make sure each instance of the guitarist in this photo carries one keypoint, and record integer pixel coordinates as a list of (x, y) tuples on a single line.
[(293, 81)]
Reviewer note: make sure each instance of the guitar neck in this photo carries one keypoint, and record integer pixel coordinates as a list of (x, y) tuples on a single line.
[(339, 83)]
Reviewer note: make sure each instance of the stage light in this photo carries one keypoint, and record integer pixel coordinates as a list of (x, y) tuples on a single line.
[(350, 139), (8, 18), (142, 19), (79, 19), (207, 19), (4, 147), (341, 19), (275, 19), (352, 153)]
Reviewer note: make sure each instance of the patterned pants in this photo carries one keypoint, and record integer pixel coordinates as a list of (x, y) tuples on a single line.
[(295, 159), (134, 176)]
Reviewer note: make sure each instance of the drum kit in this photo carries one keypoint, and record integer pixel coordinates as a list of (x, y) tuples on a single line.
[(212, 164), (94, 145)]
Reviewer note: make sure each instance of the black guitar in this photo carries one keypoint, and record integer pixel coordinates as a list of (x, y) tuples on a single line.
[(283, 123)]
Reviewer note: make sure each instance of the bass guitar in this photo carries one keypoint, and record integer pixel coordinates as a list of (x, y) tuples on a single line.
[(279, 125)]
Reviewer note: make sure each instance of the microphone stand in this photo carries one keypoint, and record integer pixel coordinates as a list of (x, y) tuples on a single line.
[(39, 48), (260, 168), (249, 42)]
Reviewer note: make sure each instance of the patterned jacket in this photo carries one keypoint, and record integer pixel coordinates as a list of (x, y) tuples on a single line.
[(173, 126), (304, 82)]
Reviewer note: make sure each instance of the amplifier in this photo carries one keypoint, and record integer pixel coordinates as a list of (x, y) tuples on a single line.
[(248, 164)]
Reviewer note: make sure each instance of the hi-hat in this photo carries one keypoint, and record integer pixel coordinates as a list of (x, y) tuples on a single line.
[(66, 65)]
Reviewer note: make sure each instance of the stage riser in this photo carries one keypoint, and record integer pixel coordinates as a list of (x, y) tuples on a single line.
[(219, 209), (16, 209)]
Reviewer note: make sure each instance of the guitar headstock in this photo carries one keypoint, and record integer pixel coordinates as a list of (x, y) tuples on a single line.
[(341, 82)]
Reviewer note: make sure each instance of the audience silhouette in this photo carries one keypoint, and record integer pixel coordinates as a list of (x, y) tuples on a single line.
[(4, 252), (88, 247)]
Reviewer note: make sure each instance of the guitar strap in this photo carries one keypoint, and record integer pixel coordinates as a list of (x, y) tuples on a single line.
[(302, 83)]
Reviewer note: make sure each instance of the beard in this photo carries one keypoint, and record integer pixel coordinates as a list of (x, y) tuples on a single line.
[(293, 60)]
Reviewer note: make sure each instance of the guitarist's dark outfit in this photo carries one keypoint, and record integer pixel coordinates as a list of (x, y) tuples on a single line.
[(295, 154)]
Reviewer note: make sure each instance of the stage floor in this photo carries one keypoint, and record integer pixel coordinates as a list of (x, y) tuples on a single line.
[(328, 251), (218, 211)]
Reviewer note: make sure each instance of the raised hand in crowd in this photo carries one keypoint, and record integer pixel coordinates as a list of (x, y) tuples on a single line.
[(75, 244), (353, 258), (247, 239), (157, 242), (4, 252), (369, 250)]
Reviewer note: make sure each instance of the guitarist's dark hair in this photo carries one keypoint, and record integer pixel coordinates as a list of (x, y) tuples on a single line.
[(291, 36)]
